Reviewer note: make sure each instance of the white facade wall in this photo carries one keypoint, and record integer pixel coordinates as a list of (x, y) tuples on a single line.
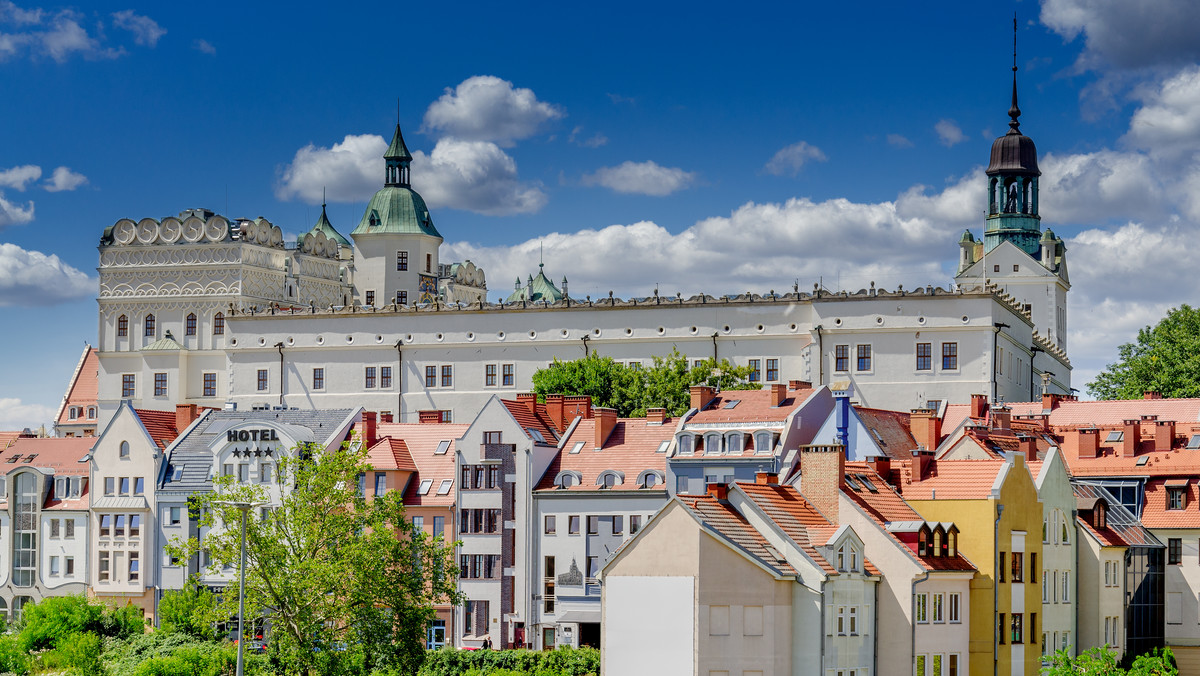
[(655, 638), (62, 548), (1101, 596), (375, 265), (1182, 587), (1058, 552)]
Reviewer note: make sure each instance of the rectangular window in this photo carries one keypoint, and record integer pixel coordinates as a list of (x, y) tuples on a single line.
[(939, 608), (922, 608), (127, 384), (380, 483), (755, 370), (1033, 569), (110, 486), (593, 525), (54, 528), (262, 380), (635, 523), (402, 298), (105, 525), (243, 473), (70, 561), (160, 384), (318, 380), (1003, 627), (119, 525), (139, 485), (385, 377), (1033, 627), (369, 377), (550, 524), (175, 515), (1016, 633), (921, 662), (264, 473), (1066, 586), (104, 562), (428, 262), (439, 525), (69, 529), (924, 356), (854, 620), (772, 370), (955, 607), (430, 376), (135, 567), (124, 486), (841, 621), (489, 375), (401, 261), (841, 358), (952, 666), (1018, 565), (370, 299), (210, 384), (447, 375), (1174, 551), (863, 358), (949, 356), (1003, 560), (507, 374), (618, 525), (573, 525), (1174, 498), (135, 525), (593, 566)]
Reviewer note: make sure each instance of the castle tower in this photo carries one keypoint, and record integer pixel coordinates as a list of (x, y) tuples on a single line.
[(1013, 187)]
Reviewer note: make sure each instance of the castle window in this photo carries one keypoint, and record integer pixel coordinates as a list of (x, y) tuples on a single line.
[(755, 370), (507, 375), (160, 384), (190, 325), (210, 384), (149, 326), (841, 358), (402, 298), (949, 356), (995, 268), (122, 326), (428, 262), (385, 377), (371, 298), (219, 324), (864, 358), (772, 370), (924, 356), (401, 261), (127, 384), (318, 379)]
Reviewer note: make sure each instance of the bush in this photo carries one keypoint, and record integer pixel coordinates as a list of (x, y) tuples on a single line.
[(50, 622), (81, 653), (13, 659), (188, 611), (559, 662)]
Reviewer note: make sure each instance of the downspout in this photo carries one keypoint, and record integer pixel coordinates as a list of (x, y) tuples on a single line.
[(1032, 356), (912, 618), (714, 339), (995, 358), (282, 377), (823, 634), (996, 591), (820, 357), (399, 382)]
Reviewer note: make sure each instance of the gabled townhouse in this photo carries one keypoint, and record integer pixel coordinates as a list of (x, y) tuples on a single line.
[(43, 520), (733, 435), (124, 467), (747, 578), (1059, 560), (243, 444), (866, 433), (1120, 575), (605, 483), (431, 494), (78, 412), (924, 597), (995, 505), (500, 458)]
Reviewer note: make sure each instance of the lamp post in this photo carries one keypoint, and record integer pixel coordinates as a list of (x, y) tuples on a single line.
[(245, 508)]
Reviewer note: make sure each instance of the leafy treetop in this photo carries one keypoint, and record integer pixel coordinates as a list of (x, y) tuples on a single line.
[(1165, 358)]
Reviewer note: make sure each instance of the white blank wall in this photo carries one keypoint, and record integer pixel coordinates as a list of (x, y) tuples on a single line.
[(648, 624)]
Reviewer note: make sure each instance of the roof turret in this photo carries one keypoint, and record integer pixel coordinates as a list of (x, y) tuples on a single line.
[(324, 226), (397, 150)]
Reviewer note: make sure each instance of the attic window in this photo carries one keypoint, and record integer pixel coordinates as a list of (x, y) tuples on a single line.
[(444, 489), (442, 447), (774, 553), (1114, 437), (1143, 460), (732, 403), (426, 484), (1194, 442), (662, 447), (878, 437), (866, 482), (29, 458), (577, 447), (13, 458), (535, 435)]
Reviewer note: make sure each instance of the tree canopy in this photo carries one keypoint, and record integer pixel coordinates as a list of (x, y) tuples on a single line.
[(631, 390), (1165, 358), (346, 582), (1103, 662)]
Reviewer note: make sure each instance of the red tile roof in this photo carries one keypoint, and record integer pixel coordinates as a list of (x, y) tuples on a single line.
[(953, 480), (754, 406), (631, 448), (390, 454), (422, 440), (83, 390), (160, 425), (1121, 527), (7, 438), (1111, 413), (892, 430), (1155, 513), (537, 419), (955, 415), (62, 454), (733, 527)]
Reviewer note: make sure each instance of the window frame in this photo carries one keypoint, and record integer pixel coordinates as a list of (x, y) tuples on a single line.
[(863, 356), (950, 356), (318, 378), (924, 357), (841, 358)]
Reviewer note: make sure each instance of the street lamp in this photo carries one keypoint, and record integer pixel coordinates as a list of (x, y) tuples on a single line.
[(244, 506)]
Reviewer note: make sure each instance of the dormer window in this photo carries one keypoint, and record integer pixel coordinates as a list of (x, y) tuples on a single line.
[(937, 542), (1101, 519), (712, 443), (763, 442), (923, 542), (685, 444), (1176, 499), (952, 542), (733, 443)]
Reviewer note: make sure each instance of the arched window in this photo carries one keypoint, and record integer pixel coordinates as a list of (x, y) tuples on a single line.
[(685, 444), (952, 542), (149, 325), (122, 326), (91, 413), (190, 324), (762, 442), (72, 413), (923, 542), (712, 443), (648, 480), (1101, 517), (937, 542), (219, 324), (733, 443), (124, 449), (1066, 529)]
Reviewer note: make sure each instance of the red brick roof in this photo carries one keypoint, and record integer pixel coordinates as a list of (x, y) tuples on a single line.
[(7, 438), (753, 406), (892, 430), (62, 454), (390, 454), (537, 419), (631, 448), (422, 440), (160, 425), (83, 390), (733, 527)]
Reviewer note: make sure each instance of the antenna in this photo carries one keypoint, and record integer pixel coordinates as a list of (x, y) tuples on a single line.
[(1014, 42), (541, 254)]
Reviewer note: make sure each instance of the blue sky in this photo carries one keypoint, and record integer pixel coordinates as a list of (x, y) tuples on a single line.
[(699, 147)]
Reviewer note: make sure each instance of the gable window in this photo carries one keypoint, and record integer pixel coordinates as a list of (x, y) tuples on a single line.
[(160, 384), (124, 449), (219, 324), (149, 326), (122, 326), (841, 358), (863, 358), (949, 356), (924, 356), (401, 261), (189, 326)]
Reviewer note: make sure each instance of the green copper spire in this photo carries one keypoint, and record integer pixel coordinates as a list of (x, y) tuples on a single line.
[(397, 150), (397, 158), (324, 226)]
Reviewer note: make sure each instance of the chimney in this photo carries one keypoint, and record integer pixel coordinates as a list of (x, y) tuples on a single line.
[(1050, 401), (1001, 417), (1132, 437), (385, 417), (1151, 394), (799, 385), (529, 401), (719, 491), (580, 405), (701, 395), (1082, 443), (778, 394), (1164, 434), (822, 471), (926, 427), (554, 409), (979, 405), (1041, 419), (429, 417), (606, 422), (922, 461), (766, 478), (1028, 445), (882, 466), (370, 435), (184, 415), (656, 416)]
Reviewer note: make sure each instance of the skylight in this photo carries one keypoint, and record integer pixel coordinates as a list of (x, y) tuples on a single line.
[(1114, 437), (866, 481), (426, 484), (177, 474), (442, 447), (1194, 442), (732, 403), (536, 435), (30, 457), (852, 484), (1143, 460), (878, 437), (577, 447), (13, 458), (444, 489), (774, 553), (662, 448)]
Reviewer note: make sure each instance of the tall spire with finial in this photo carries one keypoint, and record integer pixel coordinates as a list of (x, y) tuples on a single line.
[(1014, 112)]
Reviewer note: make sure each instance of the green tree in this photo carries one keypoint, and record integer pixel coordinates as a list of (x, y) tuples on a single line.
[(188, 611), (1165, 358), (1092, 662), (609, 383), (342, 577)]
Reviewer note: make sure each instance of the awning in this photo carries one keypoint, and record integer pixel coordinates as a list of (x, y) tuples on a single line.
[(1177, 483), (578, 617), (120, 503)]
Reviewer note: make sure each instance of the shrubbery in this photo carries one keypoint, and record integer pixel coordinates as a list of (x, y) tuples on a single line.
[(560, 662)]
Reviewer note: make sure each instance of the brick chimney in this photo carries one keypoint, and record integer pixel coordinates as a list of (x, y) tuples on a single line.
[(529, 401), (606, 422), (778, 394), (882, 466), (185, 414), (979, 405), (1081, 443), (1050, 401), (656, 416), (554, 410), (1028, 445), (370, 433), (1132, 437), (823, 470), (429, 417), (701, 395), (1001, 418), (926, 427), (579, 405), (799, 385), (385, 417), (719, 491), (1151, 394), (1164, 434), (766, 478), (921, 463)]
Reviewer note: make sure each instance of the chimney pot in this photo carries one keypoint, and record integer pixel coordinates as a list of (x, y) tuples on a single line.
[(926, 427), (719, 491), (529, 399), (580, 405), (656, 416), (766, 478), (701, 395), (429, 417), (799, 385), (1151, 394), (979, 405)]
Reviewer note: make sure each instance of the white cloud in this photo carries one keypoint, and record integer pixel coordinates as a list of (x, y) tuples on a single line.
[(31, 278), (64, 179), (594, 141), (204, 46), (19, 177), (59, 36), (1099, 186), (146, 31), (12, 213), (10, 13), (899, 141), (487, 108), (350, 171), (17, 415), (1168, 122), (642, 178), (1127, 34), (949, 133), (790, 159), (476, 176)]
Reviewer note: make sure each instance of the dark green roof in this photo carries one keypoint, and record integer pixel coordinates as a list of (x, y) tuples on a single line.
[(538, 289), (397, 150), (397, 211), (323, 225)]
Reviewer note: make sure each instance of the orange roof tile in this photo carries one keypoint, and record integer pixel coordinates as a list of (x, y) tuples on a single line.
[(631, 448), (753, 406), (892, 430), (954, 480), (7, 438), (1155, 513), (734, 528), (389, 453), (794, 515), (536, 419), (422, 440), (160, 425), (1113, 412), (83, 390), (955, 415), (62, 455)]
